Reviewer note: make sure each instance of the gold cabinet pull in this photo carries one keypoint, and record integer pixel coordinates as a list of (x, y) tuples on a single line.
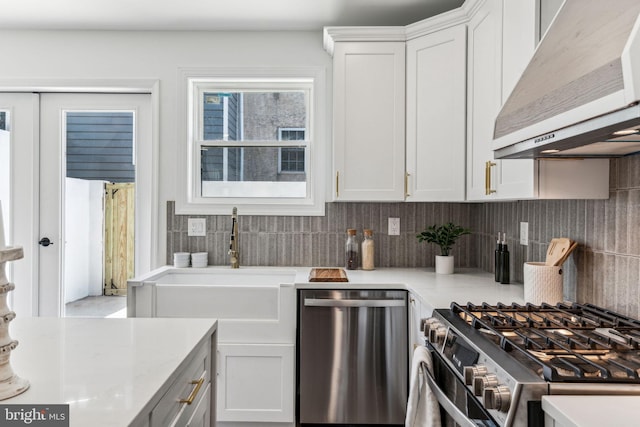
[(487, 177), (406, 184), (337, 187), (194, 392)]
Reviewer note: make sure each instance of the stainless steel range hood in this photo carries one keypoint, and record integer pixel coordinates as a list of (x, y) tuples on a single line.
[(580, 88)]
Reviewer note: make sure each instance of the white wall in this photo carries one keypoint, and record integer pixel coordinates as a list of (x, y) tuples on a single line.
[(32, 56), (83, 238)]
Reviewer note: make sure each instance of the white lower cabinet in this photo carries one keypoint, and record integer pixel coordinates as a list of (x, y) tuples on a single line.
[(201, 417), (419, 312), (176, 408), (415, 314), (256, 344), (257, 382)]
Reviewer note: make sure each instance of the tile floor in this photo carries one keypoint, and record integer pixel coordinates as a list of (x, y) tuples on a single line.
[(98, 306)]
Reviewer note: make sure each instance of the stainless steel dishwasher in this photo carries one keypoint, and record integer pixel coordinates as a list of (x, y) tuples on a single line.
[(352, 356)]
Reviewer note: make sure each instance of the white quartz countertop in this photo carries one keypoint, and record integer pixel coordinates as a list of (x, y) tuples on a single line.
[(107, 370), (434, 290), (592, 411)]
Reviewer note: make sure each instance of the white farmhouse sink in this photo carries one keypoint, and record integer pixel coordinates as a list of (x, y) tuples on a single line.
[(224, 277), (250, 301)]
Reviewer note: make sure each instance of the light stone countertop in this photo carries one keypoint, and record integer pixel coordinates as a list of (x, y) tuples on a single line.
[(592, 411), (107, 370), (434, 290)]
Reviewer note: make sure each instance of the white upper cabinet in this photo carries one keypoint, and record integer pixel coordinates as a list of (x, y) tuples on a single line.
[(438, 104), (515, 178), (502, 36), (436, 93), (370, 68), (368, 121), (484, 98)]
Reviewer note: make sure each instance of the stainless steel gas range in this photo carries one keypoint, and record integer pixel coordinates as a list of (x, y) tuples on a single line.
[(493, 363)]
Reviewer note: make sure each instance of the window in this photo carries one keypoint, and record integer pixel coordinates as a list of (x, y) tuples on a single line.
[(251, 143), (291, 158)]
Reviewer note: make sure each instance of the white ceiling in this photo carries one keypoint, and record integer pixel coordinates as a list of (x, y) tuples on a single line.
[(214, 14)]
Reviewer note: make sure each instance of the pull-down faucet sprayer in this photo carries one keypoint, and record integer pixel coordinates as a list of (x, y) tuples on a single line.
[(233, 243)]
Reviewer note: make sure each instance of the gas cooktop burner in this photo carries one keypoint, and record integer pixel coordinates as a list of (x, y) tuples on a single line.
[(577, 342)]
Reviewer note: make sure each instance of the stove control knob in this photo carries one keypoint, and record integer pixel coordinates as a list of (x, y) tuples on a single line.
[(483, 382), (470, 372), (498, 398), (425, 324), (437, 335), (430, 325)]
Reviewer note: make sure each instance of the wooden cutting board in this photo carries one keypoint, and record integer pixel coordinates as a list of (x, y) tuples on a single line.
[(328, 275)]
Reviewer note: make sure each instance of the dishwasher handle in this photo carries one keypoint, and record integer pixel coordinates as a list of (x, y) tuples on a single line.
[(327, 302)]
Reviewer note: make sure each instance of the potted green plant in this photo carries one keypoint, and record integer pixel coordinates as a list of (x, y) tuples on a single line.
[(444, 236)]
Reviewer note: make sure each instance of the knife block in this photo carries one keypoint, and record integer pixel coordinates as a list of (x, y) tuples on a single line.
[(542, 283)]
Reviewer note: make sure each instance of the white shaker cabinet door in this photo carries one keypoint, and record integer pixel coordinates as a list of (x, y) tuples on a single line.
[(415, 312), (515, 179), (484, 80), (368, 121), (501, 40), (256, 383), (436, 114), (202, 415)]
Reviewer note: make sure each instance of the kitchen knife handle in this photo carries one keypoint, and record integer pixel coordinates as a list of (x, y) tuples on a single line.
[(487, 177)]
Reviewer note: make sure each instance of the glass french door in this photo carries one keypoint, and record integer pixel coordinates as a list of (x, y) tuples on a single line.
[(19, 164), (75, 144)]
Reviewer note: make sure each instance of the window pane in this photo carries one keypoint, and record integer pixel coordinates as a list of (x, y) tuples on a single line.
[(221, 164), (251, 172), (292, 160), (252, 116), (100, 145)]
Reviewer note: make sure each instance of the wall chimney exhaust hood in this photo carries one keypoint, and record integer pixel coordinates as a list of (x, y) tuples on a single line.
[(579, 96)]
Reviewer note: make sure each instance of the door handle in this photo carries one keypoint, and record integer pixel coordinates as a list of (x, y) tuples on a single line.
[(45, 241)]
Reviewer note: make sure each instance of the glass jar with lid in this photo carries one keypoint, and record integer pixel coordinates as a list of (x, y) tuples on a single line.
[(368, 250), (351, 250)]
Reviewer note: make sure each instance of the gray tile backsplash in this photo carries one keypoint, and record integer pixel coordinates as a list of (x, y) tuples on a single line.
[(319, 241), (604, 269)]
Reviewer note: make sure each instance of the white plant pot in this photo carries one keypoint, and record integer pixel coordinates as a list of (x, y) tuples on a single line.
[(444, 264)]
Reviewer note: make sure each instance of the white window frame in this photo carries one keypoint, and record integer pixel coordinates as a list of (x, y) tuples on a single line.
[(310, 79)]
